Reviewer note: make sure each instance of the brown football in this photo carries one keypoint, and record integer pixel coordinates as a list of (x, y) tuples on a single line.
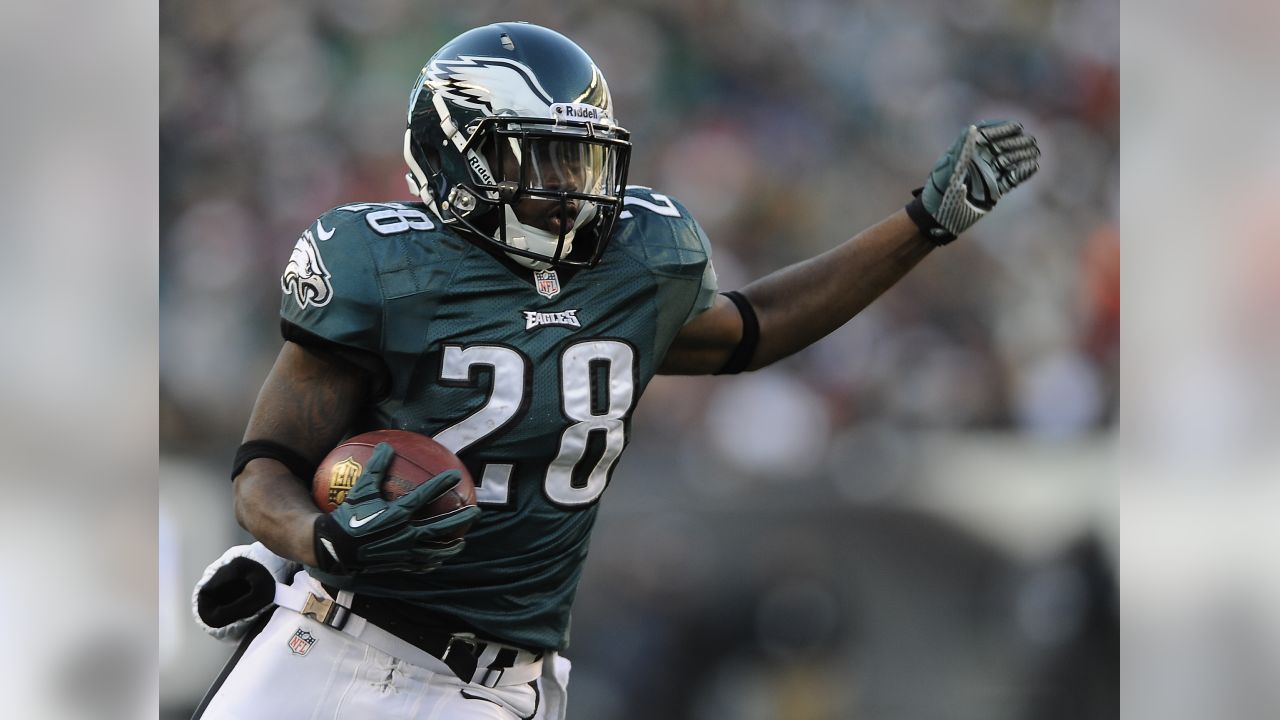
[(418, 458)]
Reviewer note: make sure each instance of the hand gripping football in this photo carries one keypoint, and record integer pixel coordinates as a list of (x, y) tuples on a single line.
[(418, 458)]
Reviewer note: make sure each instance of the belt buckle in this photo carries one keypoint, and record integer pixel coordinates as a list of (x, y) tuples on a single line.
[(468, 639), (463, 664), (326, 611)]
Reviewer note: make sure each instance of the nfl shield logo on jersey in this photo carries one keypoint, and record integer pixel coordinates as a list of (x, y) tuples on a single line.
[(301, 642), (547, 282)]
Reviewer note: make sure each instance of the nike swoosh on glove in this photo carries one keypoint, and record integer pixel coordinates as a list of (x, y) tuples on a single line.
[(368, 534), (984, 164)]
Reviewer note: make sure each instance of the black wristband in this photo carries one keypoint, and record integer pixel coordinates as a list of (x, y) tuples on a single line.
[(746, 349), (929, 228), (290, 458)]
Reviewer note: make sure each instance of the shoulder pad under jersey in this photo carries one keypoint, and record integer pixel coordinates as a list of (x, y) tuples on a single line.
[(660, 231), (664, 235), (338, 277)]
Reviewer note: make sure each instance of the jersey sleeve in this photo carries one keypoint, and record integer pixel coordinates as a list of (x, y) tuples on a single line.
[(330, 286), (694, 251), (663, 235), (708, 286)]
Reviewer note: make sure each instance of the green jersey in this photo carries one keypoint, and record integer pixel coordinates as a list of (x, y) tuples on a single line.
[(530, 377)]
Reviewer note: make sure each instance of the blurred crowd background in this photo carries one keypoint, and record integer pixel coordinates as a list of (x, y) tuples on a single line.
[(912, 519)]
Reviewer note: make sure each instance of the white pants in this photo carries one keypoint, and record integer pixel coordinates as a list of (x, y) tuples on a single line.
[(299, 668)]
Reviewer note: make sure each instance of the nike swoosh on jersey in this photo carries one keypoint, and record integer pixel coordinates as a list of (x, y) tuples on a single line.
[(322, 234), (358, 522)]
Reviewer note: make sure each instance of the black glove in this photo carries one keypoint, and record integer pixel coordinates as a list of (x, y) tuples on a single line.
[(368, 534)]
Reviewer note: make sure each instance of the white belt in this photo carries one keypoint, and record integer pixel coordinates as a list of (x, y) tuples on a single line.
[(523, 667)]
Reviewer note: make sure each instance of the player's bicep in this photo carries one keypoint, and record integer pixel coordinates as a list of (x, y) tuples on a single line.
[(706, 342), (308, 401)]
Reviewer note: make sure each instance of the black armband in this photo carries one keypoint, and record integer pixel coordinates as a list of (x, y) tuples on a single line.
[(929, 228), (290, 458), (746, 349)]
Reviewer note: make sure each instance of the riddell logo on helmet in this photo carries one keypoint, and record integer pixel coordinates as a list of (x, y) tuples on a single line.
[(474, 161), (579, 111)]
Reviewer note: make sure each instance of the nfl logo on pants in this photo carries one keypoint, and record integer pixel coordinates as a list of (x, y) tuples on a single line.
[(301, 642)]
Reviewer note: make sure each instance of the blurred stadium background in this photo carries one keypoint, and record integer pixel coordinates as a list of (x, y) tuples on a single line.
[(913, 519)]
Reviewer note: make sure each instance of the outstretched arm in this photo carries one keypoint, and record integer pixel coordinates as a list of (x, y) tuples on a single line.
[(804, 302)]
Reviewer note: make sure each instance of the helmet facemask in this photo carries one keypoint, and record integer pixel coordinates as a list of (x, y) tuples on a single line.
[(548, 191), (555, 181)]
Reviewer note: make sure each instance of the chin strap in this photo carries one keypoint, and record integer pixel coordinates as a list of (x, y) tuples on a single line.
[(424, 193), (524, 237)]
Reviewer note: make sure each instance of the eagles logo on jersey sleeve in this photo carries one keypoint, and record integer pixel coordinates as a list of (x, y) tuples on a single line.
[(305, 277), (330, 285)]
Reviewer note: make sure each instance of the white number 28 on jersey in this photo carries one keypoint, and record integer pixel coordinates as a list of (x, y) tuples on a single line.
[(594, 409)]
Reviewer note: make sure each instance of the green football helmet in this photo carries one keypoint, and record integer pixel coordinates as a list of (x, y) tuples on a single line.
[(511, 140)]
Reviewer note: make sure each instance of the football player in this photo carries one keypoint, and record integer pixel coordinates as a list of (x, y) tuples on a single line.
[(516, 314)]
